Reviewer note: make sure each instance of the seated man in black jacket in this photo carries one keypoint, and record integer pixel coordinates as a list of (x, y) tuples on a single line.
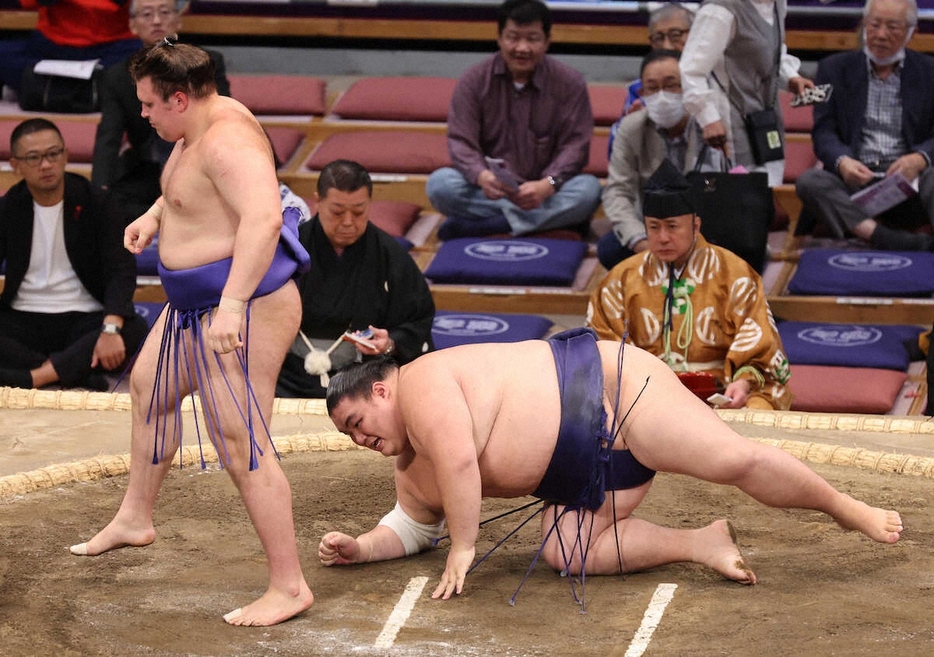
[(132, 175), (360, 279), (66, 311)]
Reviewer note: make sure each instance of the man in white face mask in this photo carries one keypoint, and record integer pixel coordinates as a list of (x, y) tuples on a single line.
[(643, 140), (879, 122), (669, 26)]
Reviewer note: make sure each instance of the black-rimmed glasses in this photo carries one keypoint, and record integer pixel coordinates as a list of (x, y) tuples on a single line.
[(53, 155)]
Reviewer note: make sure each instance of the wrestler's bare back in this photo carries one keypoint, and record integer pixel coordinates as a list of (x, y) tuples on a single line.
[(511, 393), (199, 225)]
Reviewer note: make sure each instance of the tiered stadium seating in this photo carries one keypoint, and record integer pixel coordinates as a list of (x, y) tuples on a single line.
[(395, 126)]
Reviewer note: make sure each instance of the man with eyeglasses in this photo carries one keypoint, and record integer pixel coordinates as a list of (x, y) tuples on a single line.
[(132, 174), (72, 30), (669, 26), (878, 122), (66, 311), (643, 140), (531, 113)]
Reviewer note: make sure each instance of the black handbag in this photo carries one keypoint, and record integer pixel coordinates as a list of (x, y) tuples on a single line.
[(763, 128), (736, 209), (40, 92), (765, 136)]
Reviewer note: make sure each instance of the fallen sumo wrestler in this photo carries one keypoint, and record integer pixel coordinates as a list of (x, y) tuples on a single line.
[(543, 418)]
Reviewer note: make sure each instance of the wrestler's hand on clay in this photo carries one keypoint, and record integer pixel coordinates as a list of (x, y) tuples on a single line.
[(139, 234), (223, 332), (338, 549), (452, 581)]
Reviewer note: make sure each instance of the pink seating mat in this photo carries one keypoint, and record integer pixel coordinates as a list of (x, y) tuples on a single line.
[(394, 217), (799, 157), (830, 389), (285, 141), (280, 94), (796, 119), (597, 163), (607, 103), (397, 99), (397, 151)]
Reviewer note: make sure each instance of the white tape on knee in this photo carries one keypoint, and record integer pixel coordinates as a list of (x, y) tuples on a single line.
[(415, 536)]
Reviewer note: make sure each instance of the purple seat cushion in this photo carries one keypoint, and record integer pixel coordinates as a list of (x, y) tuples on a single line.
[(516, 261), (848, 345), (864, 273), (455, 328)]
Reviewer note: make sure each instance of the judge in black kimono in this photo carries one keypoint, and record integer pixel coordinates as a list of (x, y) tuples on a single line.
[(360, 280)]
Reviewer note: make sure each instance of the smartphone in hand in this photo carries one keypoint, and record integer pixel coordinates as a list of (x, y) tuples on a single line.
[(363, 336), (719, 399)]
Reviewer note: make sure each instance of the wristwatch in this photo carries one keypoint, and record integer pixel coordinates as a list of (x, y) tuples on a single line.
[(110, 329)]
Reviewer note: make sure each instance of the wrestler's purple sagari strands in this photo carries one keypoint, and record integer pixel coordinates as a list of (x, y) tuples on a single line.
[(192, 293)]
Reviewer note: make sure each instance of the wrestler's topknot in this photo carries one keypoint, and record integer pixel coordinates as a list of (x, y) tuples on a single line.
[(357, 380), (172, 67)]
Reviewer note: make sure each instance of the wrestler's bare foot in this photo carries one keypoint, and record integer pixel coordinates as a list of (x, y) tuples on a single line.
[(273, 607), (115, 535), (716, 547), (878, 524)]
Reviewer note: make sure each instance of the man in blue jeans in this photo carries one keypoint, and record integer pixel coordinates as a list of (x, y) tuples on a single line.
[(530, 114)]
